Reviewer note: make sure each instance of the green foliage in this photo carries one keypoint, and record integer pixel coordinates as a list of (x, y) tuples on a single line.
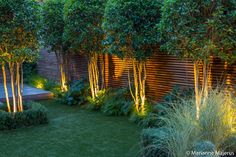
[(44, 83), (176, 96), (83, 25), (198, 29), (35, 114), (130, 27), (53, 24), (139, 118), (29, 69), (96, 104), (19, 27), (117, 102), (77, 93)]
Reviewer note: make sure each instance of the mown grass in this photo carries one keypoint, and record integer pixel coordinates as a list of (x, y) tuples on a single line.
[(73, 132)]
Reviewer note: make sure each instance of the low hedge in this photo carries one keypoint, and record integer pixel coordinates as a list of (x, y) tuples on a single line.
[(35, 114)]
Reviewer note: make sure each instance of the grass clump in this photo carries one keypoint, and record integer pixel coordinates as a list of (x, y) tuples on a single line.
[(217, 125)]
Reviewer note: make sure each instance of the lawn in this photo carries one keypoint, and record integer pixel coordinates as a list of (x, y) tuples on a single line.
[(73, 132)]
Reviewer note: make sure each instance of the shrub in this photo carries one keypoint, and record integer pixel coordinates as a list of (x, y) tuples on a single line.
[(140, 118), (35, 114), (117, 102), (77, 93), (96, 104)]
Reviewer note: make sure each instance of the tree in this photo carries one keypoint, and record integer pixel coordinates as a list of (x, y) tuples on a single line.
[(18, 41), (130, 33), (53, 30), (198, 30), (84, 34)]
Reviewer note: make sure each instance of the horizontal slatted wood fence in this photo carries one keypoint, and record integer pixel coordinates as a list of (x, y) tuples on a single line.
[(163, 72)]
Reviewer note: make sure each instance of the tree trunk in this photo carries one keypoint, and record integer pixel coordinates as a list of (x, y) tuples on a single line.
[(11, 67), (18, 82), (196, 87), (205, 81), (139, 94), (102, 72), (22, 78), (60, 61), (5, 87), (93, 75)]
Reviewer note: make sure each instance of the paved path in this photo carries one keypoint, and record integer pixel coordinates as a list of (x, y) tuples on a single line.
[(29, 93)]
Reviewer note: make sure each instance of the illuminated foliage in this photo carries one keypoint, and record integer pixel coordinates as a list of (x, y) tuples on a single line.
[(198, 30), (52, 32), (84, 34), (130, 33), (130, 27), (19, 26)]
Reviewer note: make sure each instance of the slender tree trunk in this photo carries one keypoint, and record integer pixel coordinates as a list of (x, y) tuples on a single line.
[(142, 80), (63, 77), (11, 67), (18, 82), (196, 87), (205, 81), (102, 72), (22, 78), (5, 87), (139, 94), (60, 62), (136, 87), (93, 75)]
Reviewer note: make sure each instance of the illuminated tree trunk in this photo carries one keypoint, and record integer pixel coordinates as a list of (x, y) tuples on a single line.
[(196, 88), (5, 87), (102, 72), (205, 81), (139, 77), (62, 71), (22, 78), (201, 91), (11, 67), (18, 82), (93, 73)]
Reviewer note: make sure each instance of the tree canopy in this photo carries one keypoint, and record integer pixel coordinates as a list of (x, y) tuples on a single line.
[(19, 26), (53, 24), (130, 27), (83, 25), (199, 29)]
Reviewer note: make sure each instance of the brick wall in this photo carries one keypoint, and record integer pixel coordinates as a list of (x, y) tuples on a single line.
[(47, 65)]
